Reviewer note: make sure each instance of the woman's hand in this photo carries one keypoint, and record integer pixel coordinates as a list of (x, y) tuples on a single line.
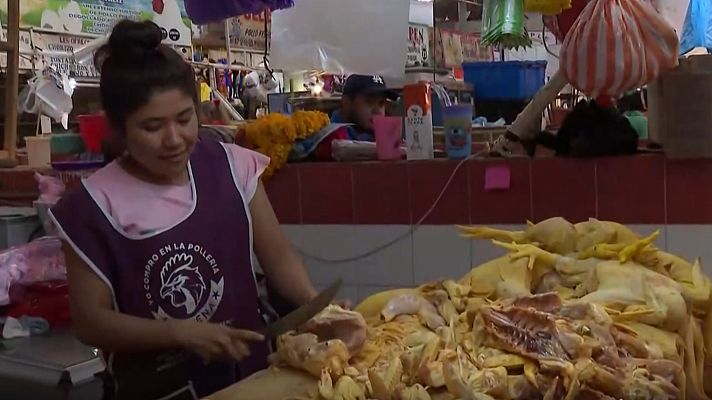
[(213, 341)]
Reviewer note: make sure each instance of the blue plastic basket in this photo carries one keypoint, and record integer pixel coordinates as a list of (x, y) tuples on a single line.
[(505, 80)]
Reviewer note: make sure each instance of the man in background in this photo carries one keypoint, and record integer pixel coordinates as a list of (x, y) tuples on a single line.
[(364, 96)]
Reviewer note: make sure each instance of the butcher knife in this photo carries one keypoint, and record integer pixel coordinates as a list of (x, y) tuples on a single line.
[(302, 314)]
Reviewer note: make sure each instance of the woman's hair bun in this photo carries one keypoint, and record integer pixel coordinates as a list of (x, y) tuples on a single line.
[(130, 41)]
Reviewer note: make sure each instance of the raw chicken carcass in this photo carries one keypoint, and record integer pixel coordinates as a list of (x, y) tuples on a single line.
[(554, 234), (336, 323), (599, 313), (305, 351), (328, 340), (413, 304)]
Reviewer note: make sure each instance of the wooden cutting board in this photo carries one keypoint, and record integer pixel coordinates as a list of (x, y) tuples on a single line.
[(271, 384), (279, 384)]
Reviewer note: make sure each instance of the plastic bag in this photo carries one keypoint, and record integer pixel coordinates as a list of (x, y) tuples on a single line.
[(41, 260), (503, 24), (617, 45), (50, 94), (51, 190), (697, 31), (343, 37), (206, 11)]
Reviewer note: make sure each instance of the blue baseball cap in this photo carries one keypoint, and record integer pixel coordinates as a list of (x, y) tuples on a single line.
[(368, 85)]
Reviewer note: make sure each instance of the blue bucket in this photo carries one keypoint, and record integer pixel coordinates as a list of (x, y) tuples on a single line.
[(505, 80)]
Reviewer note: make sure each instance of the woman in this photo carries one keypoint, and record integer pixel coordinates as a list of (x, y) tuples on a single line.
[(159, 242)]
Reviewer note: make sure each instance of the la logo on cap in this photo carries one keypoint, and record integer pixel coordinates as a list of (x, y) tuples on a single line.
[(377, 79)]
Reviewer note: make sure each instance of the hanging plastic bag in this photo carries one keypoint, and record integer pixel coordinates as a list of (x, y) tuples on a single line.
[(336, 36), (697, 31), (503, 24), (50, 94), (617, 45)]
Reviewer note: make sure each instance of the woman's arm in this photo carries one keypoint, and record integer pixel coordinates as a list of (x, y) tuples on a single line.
[(97, 324), (280, 264), (95, 321)]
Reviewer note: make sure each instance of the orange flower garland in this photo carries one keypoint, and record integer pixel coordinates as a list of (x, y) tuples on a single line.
[(274, 134)]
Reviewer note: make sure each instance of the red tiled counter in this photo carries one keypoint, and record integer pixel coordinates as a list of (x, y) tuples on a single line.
[(636, 190), (646, 189), (335, 211)]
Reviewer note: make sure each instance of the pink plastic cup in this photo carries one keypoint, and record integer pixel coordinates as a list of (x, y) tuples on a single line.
[(388, 137)]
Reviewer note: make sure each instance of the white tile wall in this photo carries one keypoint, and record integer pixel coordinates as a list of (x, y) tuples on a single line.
[(328, 242), (347, 292), (690, 242), (439, 253), (392, 266), (433, 252)]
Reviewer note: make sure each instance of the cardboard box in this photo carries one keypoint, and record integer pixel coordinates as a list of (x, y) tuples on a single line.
[(418, 121), (680, 109)]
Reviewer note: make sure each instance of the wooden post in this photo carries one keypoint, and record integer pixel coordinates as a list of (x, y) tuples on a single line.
[(12, 76)]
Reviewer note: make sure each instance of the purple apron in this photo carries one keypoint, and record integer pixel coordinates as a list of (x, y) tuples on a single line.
[(201, 268)]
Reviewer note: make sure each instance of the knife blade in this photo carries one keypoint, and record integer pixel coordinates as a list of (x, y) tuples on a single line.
[(302, 314)]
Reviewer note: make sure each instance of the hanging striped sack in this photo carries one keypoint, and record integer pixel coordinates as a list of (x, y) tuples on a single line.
[(616, 46)]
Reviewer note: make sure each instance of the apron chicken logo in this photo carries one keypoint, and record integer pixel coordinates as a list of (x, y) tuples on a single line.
[(182, 283), (189, 282)]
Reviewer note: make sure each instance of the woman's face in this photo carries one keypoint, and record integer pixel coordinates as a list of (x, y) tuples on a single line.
[(161, 135)]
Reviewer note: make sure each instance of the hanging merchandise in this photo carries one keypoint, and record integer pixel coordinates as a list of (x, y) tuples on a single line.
[(337, 36), (503, 24), (617, 45), (49, 93), (205, 11), (546, 7), (697, 31)]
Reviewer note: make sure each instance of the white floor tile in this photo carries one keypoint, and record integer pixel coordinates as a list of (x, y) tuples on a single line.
[(440, 253)]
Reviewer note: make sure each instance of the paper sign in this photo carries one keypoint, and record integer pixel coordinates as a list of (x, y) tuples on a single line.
[(498, 178), (97, 17), (45, 124), (419, 46)]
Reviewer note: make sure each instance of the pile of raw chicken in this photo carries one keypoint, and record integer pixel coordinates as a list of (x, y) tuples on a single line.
[(584, 311)]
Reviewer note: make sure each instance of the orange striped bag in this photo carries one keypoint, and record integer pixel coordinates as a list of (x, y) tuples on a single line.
[(617, 45)]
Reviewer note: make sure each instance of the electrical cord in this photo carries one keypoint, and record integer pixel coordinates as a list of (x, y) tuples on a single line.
[(392, 242), (543, 39)]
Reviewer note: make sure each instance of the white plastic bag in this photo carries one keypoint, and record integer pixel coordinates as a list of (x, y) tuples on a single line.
[(50, 94), (342, 37)]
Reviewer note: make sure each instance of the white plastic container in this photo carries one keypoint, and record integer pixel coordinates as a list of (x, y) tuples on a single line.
[(39, 152)]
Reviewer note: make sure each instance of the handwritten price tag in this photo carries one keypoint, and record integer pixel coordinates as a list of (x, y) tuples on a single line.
[(498, 178)]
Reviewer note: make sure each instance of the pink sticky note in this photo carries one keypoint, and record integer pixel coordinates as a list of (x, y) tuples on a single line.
[(498, 178)]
